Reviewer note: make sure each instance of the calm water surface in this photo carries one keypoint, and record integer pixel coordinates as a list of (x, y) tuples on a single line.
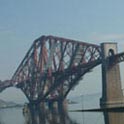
[(16, 116)]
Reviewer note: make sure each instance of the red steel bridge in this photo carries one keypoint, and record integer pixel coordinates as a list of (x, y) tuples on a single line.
[(54, 65)]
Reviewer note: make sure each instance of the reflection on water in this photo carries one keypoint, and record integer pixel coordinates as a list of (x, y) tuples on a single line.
[(55, 116), (15, 116), (44, 115), (114, 117), (50, 114)]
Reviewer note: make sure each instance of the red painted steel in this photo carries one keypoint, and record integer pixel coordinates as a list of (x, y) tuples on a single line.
[(53, 66)]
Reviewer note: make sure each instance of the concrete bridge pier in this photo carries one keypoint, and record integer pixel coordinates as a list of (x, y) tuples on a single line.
[(112, 95), (34, 113), (57, 106), (55, 111)]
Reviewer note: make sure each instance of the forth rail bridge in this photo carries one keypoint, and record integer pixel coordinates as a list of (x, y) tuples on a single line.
[(54, 65)]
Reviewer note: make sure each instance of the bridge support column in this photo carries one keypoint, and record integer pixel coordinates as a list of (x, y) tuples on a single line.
[(34, 113), (112, 95)]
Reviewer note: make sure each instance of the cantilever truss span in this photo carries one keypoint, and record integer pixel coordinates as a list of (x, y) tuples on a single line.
[(53, 66)]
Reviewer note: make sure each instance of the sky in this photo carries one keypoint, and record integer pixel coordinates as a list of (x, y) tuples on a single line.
[(22, 21)]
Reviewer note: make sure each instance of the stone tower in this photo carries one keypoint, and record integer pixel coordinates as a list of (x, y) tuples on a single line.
[(112, 95)]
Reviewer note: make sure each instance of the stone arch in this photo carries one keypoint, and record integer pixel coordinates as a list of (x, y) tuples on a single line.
[(111, 52)]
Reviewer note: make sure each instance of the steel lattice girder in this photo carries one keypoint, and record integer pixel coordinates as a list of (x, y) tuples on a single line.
[(5, 84), (53, 66), (51, 60), (117, 58)]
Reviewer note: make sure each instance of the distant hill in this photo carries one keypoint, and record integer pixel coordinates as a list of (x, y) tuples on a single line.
[(87, 101), (87, 97), (4, 104)]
